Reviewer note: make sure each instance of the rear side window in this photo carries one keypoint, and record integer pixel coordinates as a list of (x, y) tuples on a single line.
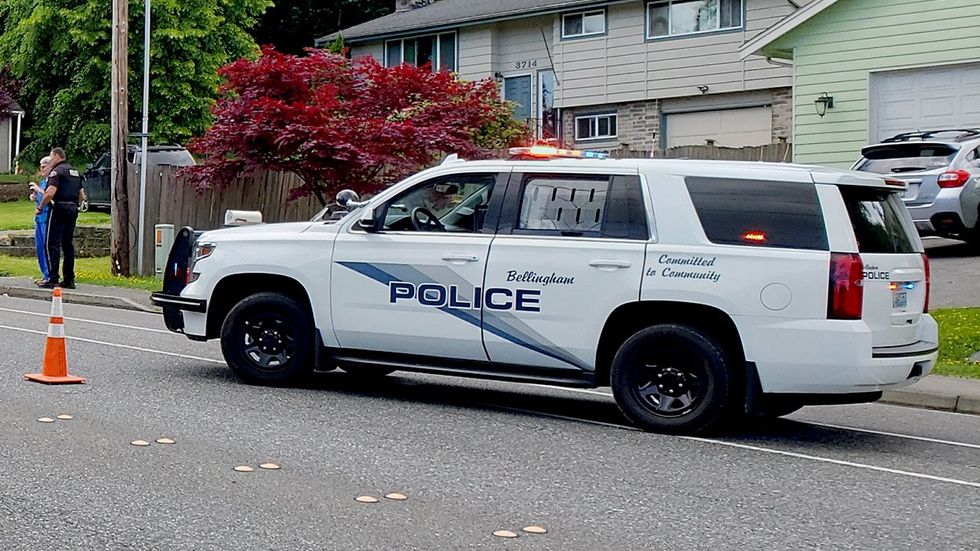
[(906, 157), (879, 222), (759, 213)]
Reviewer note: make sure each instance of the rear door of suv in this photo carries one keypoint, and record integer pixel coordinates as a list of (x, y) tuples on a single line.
[(893, 269)]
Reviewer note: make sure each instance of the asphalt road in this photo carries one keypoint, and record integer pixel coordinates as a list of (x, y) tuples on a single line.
[(955, 273), (472, 457)]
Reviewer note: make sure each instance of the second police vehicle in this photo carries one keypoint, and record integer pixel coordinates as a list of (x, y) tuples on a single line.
[(699, 291)]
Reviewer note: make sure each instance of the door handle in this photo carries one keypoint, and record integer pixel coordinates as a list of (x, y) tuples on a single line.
[(610, 264), (460, 258)]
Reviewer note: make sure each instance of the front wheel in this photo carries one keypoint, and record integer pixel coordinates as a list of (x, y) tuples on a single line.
[(672, 379), (268, 338)]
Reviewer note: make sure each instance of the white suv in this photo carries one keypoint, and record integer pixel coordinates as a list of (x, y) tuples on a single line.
[(694, 289)]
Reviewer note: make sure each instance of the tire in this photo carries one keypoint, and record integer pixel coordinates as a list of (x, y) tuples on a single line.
[(367, 373), (672, 379), (268, 339)]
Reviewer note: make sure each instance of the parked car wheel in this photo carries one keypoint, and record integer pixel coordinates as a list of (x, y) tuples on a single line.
[(672, 379), (83, 206), (268, 338)]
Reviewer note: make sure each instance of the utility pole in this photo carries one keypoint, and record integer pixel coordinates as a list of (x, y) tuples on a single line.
[(120, 137)]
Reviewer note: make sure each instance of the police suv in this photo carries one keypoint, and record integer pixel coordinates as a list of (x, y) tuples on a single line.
[(697, 290)]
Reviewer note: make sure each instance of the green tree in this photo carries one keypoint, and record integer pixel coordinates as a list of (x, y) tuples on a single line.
[(61, 50), (294, 25)]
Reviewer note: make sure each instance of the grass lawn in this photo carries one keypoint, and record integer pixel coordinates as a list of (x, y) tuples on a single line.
[(93, 271), (959, 336), (19, 215)]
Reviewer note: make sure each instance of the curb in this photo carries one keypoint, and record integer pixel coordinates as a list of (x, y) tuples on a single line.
[(71, 297), (931, 400)]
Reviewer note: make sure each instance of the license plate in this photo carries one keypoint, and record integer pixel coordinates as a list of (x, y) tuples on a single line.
[(900, 300)]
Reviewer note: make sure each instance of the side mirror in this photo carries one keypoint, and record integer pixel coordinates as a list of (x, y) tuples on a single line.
[(369, 222), (346, 197)]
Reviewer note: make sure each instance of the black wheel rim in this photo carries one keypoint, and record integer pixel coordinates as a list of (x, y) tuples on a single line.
[(670, 381), (269, 341)]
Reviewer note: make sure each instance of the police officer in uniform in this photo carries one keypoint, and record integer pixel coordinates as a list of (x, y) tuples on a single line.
[(62, 196)]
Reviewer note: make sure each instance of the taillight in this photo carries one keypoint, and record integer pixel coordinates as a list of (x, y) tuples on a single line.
[(846, 298), (925, 262), (954, 178)]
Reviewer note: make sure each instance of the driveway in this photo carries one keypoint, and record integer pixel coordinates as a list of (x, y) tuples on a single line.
[(955, 273)]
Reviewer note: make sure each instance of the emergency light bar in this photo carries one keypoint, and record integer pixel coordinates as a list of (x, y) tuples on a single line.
[(548, 152)]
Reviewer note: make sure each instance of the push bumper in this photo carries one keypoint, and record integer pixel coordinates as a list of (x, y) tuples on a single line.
[(174, 308)]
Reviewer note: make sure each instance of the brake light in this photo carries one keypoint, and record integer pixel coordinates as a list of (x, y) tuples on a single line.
[(954, 178), (925, 262), (754, 236), (846, 298)]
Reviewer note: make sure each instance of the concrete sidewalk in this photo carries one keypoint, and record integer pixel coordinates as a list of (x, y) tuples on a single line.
[(90, 295), (938, 392), (933, 392)]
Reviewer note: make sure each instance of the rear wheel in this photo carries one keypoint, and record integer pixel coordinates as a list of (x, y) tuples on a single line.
[(268, 338), (671, 378)]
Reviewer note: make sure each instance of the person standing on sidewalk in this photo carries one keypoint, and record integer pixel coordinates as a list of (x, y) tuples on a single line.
[(41, 220), (64, 193)]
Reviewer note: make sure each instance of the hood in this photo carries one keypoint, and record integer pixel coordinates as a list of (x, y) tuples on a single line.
[(257, 232)]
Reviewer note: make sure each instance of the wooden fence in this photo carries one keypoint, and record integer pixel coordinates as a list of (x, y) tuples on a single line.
[(777, 153), (171, 201)]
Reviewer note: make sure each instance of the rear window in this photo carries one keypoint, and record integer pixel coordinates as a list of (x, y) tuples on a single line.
[(880, 222), (759, 213), (906, 157)]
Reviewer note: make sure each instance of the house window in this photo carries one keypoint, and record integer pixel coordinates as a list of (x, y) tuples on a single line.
[(589, 23), (437, 50), (679, 17), (596, 127)]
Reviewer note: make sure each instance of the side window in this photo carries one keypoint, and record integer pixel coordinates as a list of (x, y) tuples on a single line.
[(759, 213), (569, 205), (973, 156), (580, 206), (456, 203)]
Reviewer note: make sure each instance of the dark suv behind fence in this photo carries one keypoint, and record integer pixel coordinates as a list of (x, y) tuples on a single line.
[(98, 180)]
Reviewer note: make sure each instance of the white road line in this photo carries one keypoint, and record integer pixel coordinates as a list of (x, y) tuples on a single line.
[(83, 320), (116, 345), (764, 450), (835, 461), (817, 424), (906, 436)]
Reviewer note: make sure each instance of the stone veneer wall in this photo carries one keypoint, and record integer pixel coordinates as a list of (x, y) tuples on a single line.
[(90, 242)]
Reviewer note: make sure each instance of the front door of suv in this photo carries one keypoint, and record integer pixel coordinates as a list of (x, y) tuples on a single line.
[(414, 286), (569, 251)]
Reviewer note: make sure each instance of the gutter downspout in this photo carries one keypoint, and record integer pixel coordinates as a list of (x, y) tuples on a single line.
[(20, 117), (781, 63)]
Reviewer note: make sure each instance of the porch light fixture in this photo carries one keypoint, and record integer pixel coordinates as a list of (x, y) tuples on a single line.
[(823, 103)]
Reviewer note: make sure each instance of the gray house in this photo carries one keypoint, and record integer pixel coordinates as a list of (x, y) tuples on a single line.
[(644, 74), (10, 138)]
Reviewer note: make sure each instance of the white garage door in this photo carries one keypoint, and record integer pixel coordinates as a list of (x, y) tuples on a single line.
[(924, 99), (727, 127)]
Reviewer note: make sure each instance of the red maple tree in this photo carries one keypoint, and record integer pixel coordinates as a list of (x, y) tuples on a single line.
[(339, 124)]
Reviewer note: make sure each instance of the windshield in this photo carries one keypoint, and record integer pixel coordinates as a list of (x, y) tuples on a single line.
[(906, 157)]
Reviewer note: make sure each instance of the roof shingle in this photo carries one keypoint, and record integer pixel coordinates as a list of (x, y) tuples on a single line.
[(447, 13)]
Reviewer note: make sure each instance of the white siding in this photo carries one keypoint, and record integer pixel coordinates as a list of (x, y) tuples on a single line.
[(373, 49), (6, 148), (476, 52), (623, 66)]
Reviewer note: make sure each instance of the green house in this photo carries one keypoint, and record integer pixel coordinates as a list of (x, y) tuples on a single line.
[(864, 70)]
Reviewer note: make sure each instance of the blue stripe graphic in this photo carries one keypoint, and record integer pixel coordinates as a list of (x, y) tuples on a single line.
[(492, 325)]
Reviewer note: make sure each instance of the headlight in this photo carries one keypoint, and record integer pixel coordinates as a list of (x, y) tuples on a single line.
[(201, 251)]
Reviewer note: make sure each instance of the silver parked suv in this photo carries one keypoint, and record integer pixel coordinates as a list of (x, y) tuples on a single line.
[(942, 169)]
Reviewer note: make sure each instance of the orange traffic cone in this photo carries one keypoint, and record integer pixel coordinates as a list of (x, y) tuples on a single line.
[(54, 371)]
